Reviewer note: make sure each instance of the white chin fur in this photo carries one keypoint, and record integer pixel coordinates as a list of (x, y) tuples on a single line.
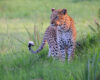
[(31, 42)]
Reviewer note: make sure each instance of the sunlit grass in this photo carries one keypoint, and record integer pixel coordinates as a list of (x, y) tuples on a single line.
[(24, 20)]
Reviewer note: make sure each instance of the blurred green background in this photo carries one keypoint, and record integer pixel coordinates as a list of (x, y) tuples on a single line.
[(24, 20)]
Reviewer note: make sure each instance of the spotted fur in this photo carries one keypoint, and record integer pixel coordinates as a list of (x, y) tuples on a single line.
[(66, 32), (50, 37)]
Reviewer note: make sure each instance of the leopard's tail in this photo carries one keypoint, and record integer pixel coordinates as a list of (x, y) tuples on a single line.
[(30, 44)]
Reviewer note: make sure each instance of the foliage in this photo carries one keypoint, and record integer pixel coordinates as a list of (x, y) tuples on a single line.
[(24, 20)]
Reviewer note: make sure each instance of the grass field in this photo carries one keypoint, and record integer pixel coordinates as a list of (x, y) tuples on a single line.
[(24, 20)]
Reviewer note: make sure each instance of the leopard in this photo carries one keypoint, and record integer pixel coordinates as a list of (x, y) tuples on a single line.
[(50, 38), (66, 32)]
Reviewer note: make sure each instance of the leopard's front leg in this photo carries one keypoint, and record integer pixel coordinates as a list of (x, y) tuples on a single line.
[(61, 46), (70, 44), (49, 52), (70, 51)]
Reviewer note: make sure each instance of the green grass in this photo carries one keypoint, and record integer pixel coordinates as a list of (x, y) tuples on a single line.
[(24, 20)]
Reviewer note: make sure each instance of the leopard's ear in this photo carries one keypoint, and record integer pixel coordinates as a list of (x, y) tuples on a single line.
[(53, 9), (64, 11)]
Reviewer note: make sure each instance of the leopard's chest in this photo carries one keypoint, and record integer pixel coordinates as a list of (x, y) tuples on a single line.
[(63, 35)]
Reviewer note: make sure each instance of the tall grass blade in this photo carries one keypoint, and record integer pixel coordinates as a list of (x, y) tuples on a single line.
[(29, 34)]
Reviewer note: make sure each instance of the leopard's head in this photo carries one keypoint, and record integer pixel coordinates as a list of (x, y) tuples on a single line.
[(58, 17)]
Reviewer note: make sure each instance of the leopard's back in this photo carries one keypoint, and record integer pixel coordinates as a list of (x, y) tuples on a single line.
[(51, 38)]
